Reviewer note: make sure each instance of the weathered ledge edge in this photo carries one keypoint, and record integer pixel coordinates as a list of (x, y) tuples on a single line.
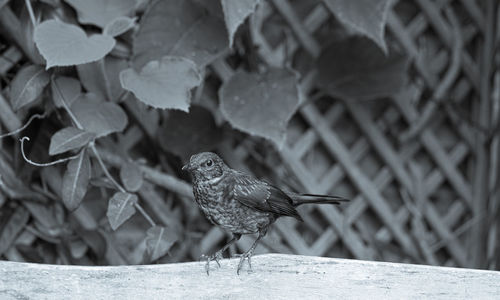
[(274, 276)]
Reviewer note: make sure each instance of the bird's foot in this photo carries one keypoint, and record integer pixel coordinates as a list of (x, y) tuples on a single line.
[(217, 256), (243, 256)]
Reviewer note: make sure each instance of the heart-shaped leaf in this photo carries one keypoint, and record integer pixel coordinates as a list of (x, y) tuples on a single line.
[(131, 176), (355, 68), (166, 83), (99, 117), (235, 13), (100, 12), (185, 134), (120, 208), (69, 87), (119, 26), (261, 104), (63, 44), (178, 28), (76, 180), (28, 85), (368, 17), (69, 138), (158, 241)]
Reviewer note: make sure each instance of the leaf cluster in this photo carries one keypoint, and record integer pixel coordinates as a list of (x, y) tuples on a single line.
[(116, 79)]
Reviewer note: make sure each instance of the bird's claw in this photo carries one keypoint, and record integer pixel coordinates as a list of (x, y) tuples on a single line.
[(247, 255), (217, 256)]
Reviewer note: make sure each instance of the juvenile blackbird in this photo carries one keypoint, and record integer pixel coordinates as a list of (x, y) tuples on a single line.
[(241, 204)]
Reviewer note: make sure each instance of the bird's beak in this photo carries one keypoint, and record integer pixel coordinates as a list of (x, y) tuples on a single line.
[(186, 167)]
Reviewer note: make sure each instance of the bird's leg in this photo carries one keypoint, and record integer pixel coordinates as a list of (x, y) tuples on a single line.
[(248, 254), (218, 255)]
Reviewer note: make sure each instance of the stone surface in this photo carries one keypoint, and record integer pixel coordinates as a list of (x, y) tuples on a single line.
[(274, 276)]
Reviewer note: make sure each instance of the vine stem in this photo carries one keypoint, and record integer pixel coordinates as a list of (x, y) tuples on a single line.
[(98, 156), (30, 11), (118, 186), (65, 105), (103, 166), (145, 214), (25, 138), (35, 116)]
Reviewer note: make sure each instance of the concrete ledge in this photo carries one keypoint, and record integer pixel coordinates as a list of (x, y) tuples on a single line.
[(274, 276)]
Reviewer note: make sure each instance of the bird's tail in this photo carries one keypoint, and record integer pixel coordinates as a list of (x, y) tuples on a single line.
[(299, 199)]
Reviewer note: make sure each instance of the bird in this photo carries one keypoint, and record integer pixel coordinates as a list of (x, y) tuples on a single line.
[(240, 203)]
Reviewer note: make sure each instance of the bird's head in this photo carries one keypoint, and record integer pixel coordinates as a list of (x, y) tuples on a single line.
[(205, 166)]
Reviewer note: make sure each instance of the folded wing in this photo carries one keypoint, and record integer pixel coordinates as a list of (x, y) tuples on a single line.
[(260, 195)]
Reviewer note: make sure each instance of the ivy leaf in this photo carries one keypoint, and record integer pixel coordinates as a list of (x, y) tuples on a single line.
[(355, 68), (63, 44), (149, 117), (26, 35), (94, 239), (100, 12), (166, 83), (261, 104), (119, 26), (120, 208), (158, 241), (213, 8), (187, 133), (103, 77), (178, 28), (69, 87), (69, 138), (77, 248), (12, 228), (28, 84), (49, 218), (76, 180), (235, 13), (99, 117), (367, 17), (131, 176)]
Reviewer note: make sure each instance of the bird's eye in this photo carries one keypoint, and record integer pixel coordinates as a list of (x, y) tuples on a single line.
[(209, 163)]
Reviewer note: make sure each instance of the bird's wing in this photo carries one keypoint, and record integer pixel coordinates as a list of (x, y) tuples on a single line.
[(260, 195)]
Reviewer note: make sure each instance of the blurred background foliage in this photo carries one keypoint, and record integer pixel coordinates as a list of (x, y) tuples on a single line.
[(393, 104)]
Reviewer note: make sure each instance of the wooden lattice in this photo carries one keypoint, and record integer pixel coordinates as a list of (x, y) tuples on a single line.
[(412, 200), (410, 182)]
